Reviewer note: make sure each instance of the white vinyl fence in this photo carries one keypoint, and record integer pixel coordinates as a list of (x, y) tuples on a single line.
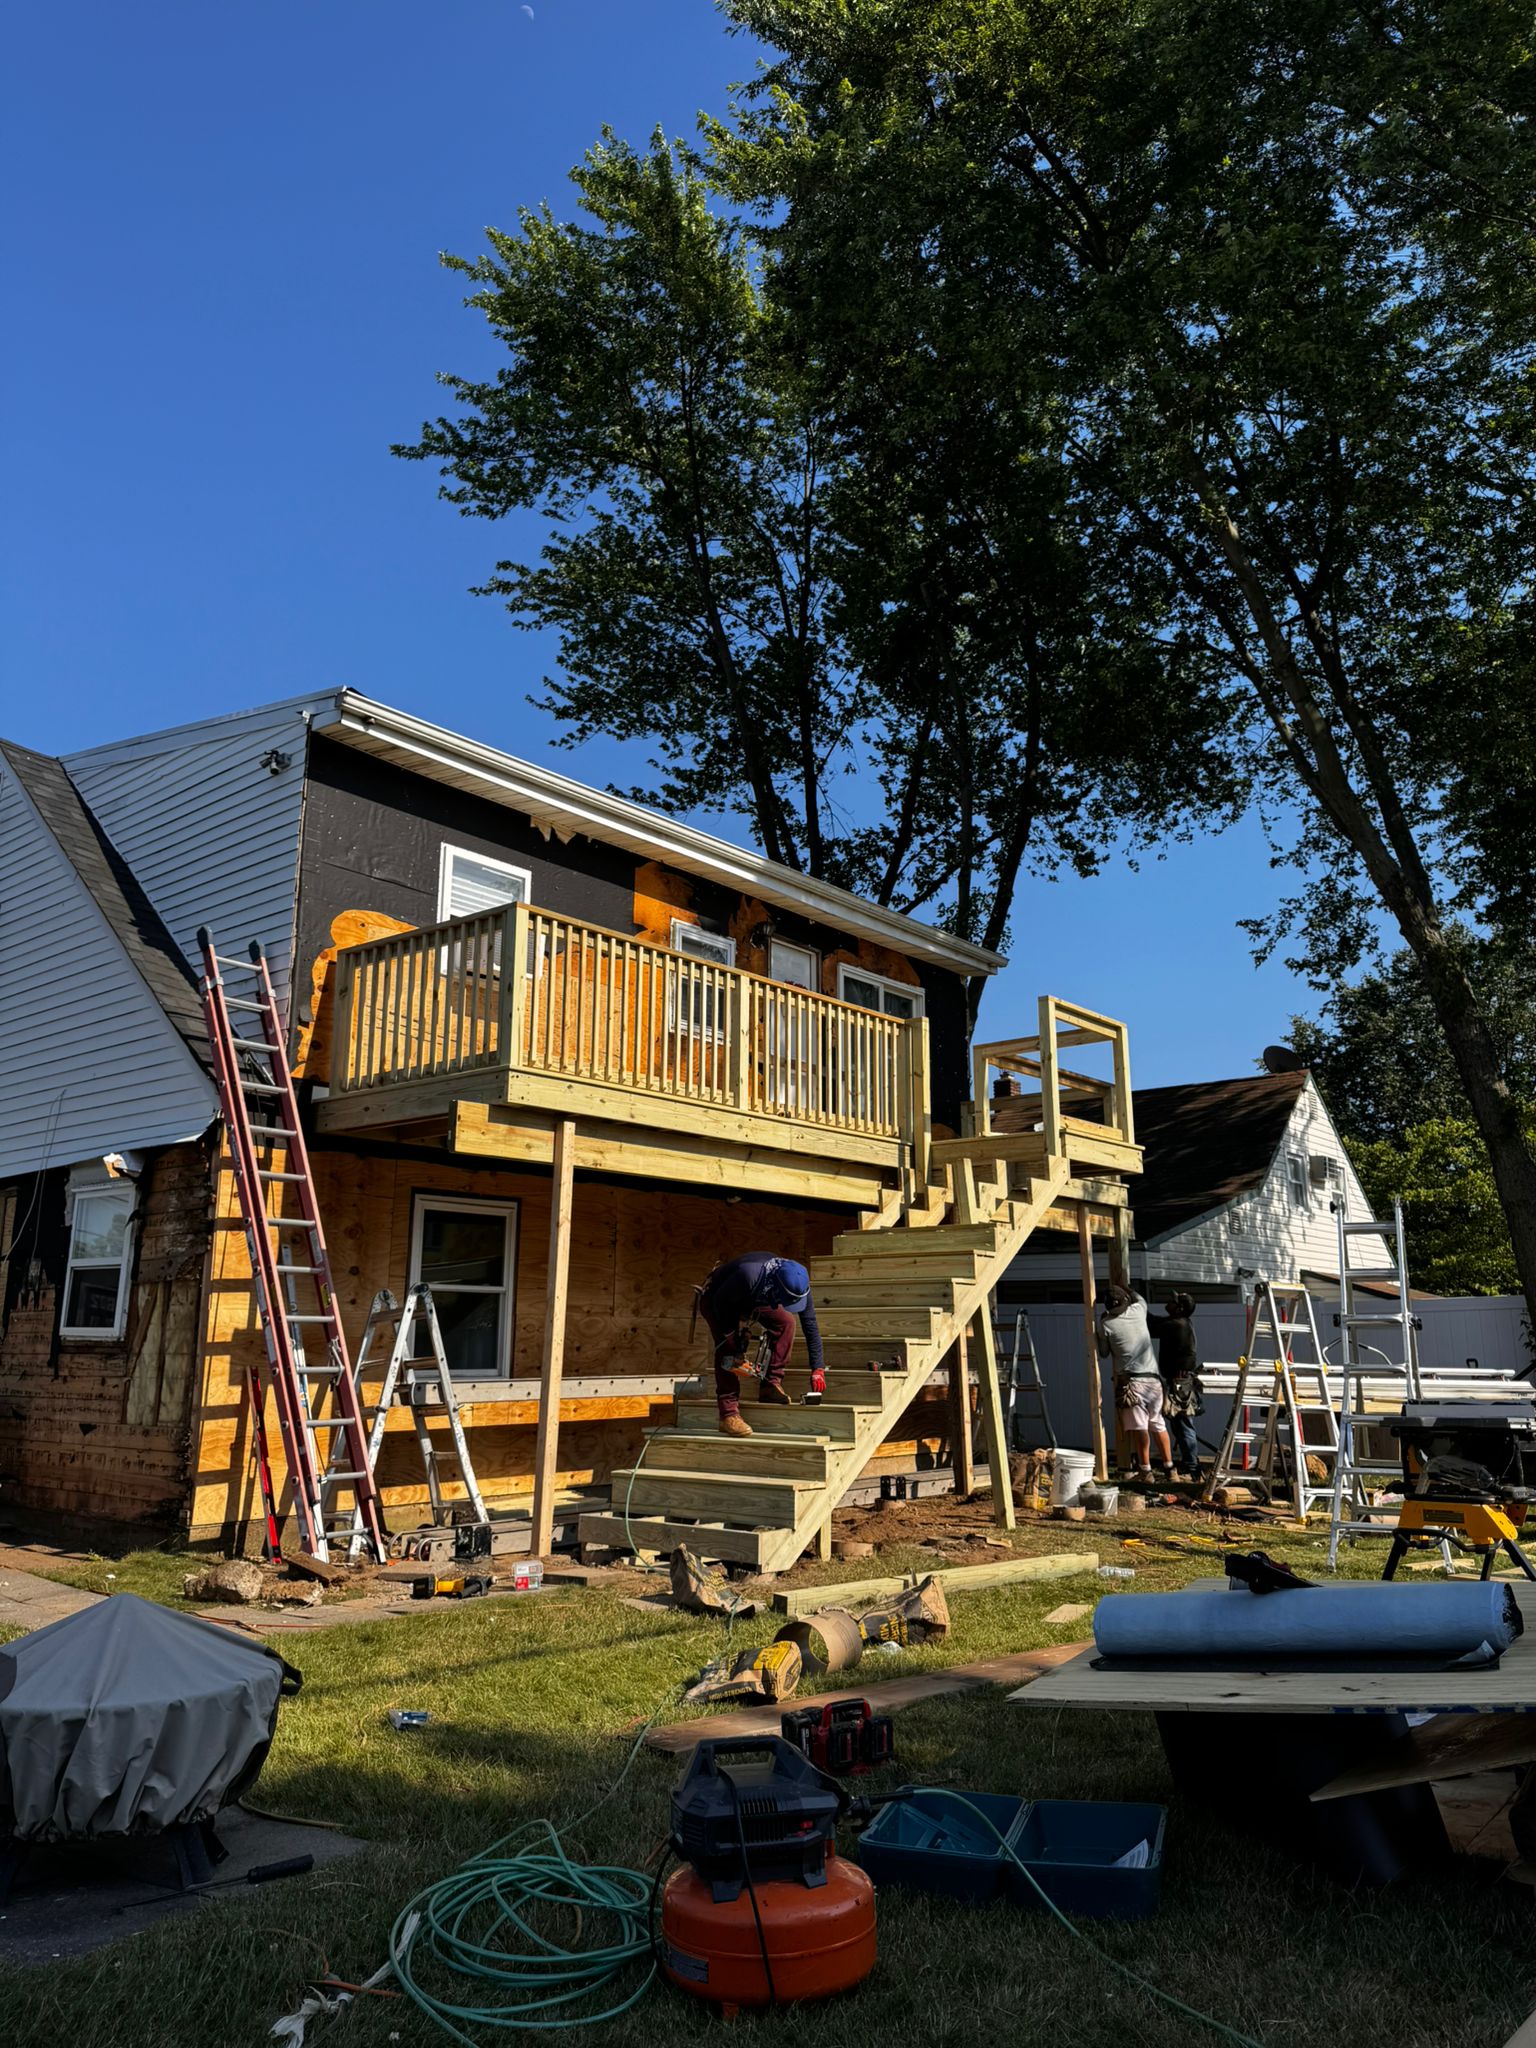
[(1488, 1329)]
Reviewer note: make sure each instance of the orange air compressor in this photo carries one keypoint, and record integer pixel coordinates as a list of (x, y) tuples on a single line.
[(764, 1911)]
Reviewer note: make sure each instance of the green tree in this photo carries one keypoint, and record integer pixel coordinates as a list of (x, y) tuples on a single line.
[(1273, 267), (1379, 1056), (899, 683), (1458, 1239)]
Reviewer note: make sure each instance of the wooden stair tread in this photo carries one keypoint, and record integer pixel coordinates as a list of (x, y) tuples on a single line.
[(899, 1296)]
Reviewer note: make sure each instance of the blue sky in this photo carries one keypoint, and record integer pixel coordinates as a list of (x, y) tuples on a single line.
[(220, 240)]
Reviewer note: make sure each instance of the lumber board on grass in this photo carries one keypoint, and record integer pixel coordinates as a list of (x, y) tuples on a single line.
[(675, 1738), (1449, 1746), (954, 1578)]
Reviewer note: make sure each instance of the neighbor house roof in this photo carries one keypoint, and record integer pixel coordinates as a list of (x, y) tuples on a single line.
[(1205, 1143)]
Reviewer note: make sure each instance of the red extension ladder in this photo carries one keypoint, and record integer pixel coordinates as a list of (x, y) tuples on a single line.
[(319, 1414)]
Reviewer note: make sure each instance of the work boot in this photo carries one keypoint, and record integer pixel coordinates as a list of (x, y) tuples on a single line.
[(733, 1425), (774, 1395)]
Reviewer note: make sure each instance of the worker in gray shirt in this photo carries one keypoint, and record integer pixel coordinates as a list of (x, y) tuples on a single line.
[(1125, 1340)]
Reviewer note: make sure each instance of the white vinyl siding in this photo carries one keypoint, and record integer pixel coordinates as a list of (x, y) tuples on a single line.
[(208, 818), (89, 1061), (1262, 1230)]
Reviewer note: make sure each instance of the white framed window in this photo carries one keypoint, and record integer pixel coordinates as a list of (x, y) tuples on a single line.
[(874, 992), (100, 1258), (797, 965), (468, 883), (1296, 1180), (700, 1013), (699, 944), (466, 1252)]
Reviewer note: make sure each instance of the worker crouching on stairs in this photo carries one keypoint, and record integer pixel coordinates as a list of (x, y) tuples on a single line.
[(757, 1287)]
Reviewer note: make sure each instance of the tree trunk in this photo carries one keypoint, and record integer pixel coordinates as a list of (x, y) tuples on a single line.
[(1494, 1108)]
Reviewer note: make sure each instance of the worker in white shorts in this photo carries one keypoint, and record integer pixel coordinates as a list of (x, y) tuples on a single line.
[(1124, 1338)]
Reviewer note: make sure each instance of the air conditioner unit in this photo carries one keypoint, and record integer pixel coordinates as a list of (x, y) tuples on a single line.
[(1321, 1169)]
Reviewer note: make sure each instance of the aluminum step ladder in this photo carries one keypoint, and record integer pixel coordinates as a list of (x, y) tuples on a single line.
[(1022, 1386), (1282, 1379), (314, 1392), (422, 1384), (1378, 1343)]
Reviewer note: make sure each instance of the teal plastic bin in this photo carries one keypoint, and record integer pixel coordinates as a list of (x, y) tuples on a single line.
[(932, 1844), (1074, 1849)]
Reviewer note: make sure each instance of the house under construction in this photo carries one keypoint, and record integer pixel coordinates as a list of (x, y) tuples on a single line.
[(555, 1056)]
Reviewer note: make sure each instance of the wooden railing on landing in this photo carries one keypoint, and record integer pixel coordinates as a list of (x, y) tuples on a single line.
[(524, 989), (1061, 1091)]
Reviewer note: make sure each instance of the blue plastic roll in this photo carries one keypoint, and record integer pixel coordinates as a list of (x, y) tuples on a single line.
[(1471, 1622)]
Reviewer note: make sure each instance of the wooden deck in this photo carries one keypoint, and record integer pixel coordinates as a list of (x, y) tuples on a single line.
[(506, 1024)]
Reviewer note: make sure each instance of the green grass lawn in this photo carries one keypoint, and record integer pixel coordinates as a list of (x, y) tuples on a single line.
[(535, 1704)]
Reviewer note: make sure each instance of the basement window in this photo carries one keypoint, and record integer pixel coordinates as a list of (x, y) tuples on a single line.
[(100, 1256), (466, 1252), (874, 992)]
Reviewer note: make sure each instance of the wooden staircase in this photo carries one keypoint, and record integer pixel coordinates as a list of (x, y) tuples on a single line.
[(891, 1304)]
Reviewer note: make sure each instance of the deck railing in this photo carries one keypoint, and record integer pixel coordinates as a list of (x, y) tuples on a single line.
[(525, 989)]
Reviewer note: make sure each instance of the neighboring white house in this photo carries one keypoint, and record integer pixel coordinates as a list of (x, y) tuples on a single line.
[(1241, 1182)]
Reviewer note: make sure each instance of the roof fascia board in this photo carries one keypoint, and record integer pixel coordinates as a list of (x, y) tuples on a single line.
[(573, 806)]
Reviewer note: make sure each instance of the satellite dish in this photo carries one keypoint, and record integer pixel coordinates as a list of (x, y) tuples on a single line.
[(1283, 1059)]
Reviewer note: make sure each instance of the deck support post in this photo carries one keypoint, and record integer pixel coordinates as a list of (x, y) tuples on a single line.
[(962, 1459), (994, 1420), (552, 1367), (824, 1541), (1091, 1345)]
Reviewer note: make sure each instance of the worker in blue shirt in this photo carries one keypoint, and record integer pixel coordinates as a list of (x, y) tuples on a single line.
[(757, 1287)]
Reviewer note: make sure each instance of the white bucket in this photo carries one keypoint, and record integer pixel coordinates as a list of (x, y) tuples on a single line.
[(1074, 1470), (1101, 1500)]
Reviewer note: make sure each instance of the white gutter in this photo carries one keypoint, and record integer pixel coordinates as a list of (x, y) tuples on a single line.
[(567, 806)]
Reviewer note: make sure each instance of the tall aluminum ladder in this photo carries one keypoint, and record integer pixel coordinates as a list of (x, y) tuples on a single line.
[(1390, 1337), (420, 1384), (1280, 1385), (1022, 1384), (313, 1388)]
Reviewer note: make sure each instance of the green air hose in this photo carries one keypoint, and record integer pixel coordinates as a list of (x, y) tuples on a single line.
[(458, 1919), (462, 1918)]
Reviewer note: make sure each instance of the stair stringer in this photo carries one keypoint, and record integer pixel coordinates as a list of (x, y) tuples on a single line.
[(1015, 1221)]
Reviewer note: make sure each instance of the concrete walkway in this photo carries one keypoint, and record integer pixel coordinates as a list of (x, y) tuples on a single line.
[(28, 1602)]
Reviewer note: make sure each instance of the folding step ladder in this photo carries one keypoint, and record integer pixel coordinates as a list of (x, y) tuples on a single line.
[(313, 1389), (413, 1380), (1390, 1336), (1023, 1385), (1282, 1378)]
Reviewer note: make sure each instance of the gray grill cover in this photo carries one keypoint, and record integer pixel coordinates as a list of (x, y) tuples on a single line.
[(126, 1718)]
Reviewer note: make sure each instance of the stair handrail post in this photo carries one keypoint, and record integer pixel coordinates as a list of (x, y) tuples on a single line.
[(919, 1096), (1050, 1093), (516, 973), (344, 1077), (736, 991), (1124, 1107), (981, 1105)]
